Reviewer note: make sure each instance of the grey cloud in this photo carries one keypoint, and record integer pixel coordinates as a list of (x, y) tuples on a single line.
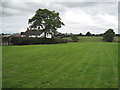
[(10, 9), (19, 6), (24, 8), (77, 4), (93, 8), (49, 5)]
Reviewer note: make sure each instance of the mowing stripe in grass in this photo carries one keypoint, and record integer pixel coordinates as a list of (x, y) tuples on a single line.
[(106, 71), (62, 68)]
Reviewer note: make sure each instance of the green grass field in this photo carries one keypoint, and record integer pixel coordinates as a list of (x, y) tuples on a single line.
[(89, 39), (71, 65)]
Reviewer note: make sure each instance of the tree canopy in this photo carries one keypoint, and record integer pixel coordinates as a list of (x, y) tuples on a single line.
[(88, 34), (80, 34), (46, 20), (109, 35)]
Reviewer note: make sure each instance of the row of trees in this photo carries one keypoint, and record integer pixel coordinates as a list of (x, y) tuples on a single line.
[(90, 34), (87, 34), (108, 36), (69, 34)]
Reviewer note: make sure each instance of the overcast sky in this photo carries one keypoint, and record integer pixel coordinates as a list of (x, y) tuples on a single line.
[(78, 17)]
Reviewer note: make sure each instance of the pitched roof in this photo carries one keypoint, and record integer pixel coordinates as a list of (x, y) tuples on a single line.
[(6, 35), (33, 32)]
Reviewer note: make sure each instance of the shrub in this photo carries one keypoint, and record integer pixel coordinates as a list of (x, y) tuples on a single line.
[(109, 35), (74, 38), (31, 40)]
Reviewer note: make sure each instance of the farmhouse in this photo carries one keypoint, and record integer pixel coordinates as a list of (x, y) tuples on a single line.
[(34, 33)]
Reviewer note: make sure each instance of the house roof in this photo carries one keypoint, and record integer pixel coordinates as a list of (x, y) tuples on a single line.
[(6, 35), (33, 32), (16, 35)]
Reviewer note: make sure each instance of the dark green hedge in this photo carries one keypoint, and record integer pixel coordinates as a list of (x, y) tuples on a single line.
[(30, 40)]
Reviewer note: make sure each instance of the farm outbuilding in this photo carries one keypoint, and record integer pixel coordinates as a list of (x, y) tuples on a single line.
[(6, 39)]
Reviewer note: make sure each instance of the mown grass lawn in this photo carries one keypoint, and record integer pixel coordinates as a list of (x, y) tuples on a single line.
[(72, 65), (86, 39)]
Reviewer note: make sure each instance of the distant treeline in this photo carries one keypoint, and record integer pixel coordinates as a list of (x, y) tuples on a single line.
[(87, 34)]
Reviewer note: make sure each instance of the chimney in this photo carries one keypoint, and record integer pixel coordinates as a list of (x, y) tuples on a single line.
[(27, 29)]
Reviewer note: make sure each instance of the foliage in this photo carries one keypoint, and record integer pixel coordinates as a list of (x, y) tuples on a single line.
[(47, 20), (88, 34), (109, 35), (29, 41), (22, 33), (80, 34), (74, 38)]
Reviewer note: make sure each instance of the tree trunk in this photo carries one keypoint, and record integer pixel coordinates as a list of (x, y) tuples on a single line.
[(45, 34)]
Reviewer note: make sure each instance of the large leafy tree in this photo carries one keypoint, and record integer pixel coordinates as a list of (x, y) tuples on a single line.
[(46, 20), (109, 35)]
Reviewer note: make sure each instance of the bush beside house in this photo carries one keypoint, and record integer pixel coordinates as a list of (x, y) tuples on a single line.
[(30, 40)]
